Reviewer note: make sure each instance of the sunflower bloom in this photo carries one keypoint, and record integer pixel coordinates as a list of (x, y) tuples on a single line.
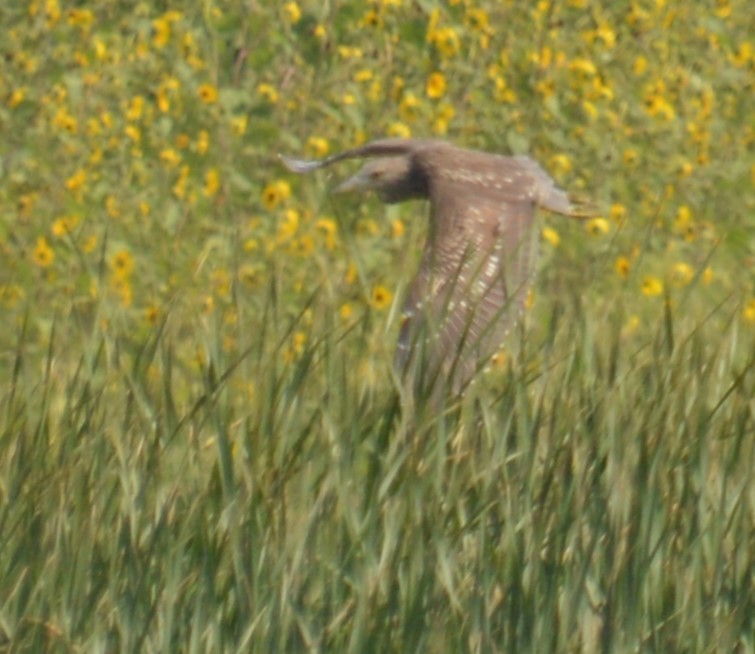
[(652, 286), (43, 255), (551, 235), (381, 297), (208, 94), (275, 193), (436, 86), (623, 267), (598, 227)]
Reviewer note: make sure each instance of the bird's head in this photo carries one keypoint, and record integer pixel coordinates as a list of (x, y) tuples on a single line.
[(394, 179)]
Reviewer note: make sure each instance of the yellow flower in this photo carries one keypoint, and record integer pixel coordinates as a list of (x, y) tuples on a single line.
[(122, 263), (208, 94), (440, 126), (170, 157), (346, 311), (248, 274), (292, 11), (111, 206), (221, 282), (623, 267), (318, 147), (606, 34), (397, 88), (684, 168), (658, 107), (590, 109), (43, 254), (371, 19), (683, 217), (364, 75), (65, 225), (16, 97), (561, 163), (304, 246), (275, 193), (652, 286), (682, 274), (135, 108), (409, 108), (329, 228), (478, 19), (551, 235), (351, 273), (289, 226), (122, 289), (381, 297), (76, 181), (349, 52), (89, 244), (618, 213), (743, 55), (397, 228), (80, 18), (161, 35), (598, 226), (65, 121), (211, 182), (446, 40), (151, 314), (632, 324), (268, 92), (436, 86), (748, 313), (238, 125), (203, 141), (296, 347), (583, 66), (399, 129), (133, 133)]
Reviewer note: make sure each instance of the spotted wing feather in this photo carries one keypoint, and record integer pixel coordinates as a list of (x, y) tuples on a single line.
[(478, 266)]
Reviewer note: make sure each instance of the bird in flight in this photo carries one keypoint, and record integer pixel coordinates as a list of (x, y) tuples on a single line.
[(479, 260)]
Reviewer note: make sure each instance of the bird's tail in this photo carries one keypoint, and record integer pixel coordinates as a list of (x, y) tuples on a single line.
[(567, 204), (582, 207)]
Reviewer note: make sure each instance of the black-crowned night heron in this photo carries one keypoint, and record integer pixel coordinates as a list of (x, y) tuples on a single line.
[(479, 260)]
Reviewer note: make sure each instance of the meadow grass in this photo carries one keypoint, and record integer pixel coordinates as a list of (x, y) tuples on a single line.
[(202, 444)]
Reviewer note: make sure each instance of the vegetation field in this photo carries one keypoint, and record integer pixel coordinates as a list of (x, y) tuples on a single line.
[(202, 445)]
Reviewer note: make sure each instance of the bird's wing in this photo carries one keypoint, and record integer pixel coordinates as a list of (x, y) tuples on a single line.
[(477, 268), (381, 148)]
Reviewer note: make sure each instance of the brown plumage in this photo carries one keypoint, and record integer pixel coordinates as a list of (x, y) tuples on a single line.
[(479, 260)]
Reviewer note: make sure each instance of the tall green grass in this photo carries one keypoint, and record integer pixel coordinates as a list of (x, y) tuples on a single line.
[(595, 495)]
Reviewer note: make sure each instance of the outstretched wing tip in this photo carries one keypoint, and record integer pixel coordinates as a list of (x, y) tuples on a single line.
[(299, 165)]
